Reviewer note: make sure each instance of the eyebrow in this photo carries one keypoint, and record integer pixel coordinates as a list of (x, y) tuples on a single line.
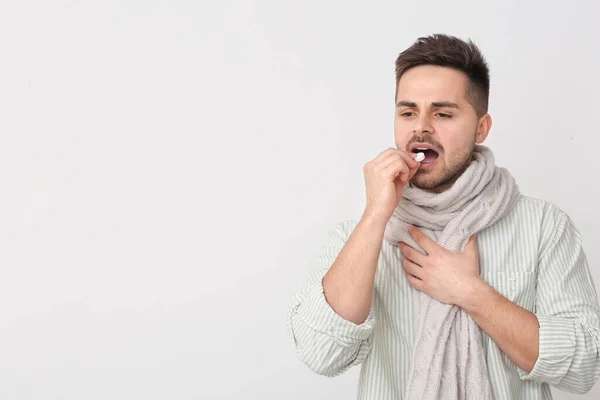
[(435, 104)]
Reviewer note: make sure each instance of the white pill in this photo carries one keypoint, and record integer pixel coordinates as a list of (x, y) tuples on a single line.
[(420, 157)]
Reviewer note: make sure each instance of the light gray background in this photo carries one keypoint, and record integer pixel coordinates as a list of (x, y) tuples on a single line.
[(168, 169)]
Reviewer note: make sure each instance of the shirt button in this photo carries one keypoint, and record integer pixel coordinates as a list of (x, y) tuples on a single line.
[(513, 277)]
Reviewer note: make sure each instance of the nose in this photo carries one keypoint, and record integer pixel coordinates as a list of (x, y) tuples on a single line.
[(423, 125)]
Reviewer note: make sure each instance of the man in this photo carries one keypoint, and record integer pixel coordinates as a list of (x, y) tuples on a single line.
[(452, 285)]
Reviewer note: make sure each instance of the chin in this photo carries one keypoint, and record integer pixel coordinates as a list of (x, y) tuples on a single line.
[(425, 184), (437, 178), (433, 182)]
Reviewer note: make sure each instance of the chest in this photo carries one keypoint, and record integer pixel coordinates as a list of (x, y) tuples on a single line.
[(508, 261)]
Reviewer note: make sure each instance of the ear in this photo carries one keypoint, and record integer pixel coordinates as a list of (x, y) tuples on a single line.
[(483, 128)]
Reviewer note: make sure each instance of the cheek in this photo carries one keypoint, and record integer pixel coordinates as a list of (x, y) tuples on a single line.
[(402, 134), (401, 141), (454, 138), (456, 147)]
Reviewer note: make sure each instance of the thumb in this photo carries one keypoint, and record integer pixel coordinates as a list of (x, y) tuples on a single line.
[(413, 171)]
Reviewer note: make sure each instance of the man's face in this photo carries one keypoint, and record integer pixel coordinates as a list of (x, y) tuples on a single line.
[(432, 112)]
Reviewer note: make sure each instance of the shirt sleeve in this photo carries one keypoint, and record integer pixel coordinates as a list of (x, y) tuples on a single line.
[(327, 343), (567, 310)]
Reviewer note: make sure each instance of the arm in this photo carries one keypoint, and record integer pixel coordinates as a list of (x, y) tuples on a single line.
[(568, 313), (514, 329), (560, 344), (453, 278), (350, 281), (325, 341), (331, 319)]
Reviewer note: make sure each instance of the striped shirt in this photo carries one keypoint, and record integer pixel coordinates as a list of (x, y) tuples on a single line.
[(533, 257)]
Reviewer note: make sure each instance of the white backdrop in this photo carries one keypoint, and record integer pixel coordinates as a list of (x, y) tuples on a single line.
[(168, 169)]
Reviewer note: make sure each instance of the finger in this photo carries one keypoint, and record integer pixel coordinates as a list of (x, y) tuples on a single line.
[(396, 155), (400, 165), (412, 254), (415, 282), (412, 268), (413, 171), (388, 164), (382, 160), (398, 170), (427, 244), (388, 157), (387, 160), (384, 154), (409, 158)]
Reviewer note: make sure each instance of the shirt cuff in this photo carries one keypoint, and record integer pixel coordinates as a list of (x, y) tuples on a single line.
[(316, 313), (556, 350)]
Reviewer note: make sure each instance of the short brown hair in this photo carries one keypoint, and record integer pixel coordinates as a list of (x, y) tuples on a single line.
[(449, 51)]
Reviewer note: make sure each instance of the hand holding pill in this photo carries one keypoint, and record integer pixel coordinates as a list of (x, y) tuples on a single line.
[(385, 178)]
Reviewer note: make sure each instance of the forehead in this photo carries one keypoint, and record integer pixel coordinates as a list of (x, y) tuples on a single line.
[(432, 83)]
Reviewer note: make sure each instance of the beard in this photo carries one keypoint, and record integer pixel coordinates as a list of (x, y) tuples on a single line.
[(438, 181)]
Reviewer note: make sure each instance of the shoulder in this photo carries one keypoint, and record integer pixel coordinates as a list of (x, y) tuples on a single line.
[(545, 217), (532, 219), (530, 209)]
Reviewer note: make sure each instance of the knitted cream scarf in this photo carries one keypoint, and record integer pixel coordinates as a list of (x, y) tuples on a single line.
[(448, 358)]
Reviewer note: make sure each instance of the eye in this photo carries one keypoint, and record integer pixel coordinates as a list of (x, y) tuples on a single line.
[(407, 114), (442, 115)]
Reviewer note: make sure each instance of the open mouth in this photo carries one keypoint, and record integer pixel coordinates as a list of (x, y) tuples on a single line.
[(430, 155)]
